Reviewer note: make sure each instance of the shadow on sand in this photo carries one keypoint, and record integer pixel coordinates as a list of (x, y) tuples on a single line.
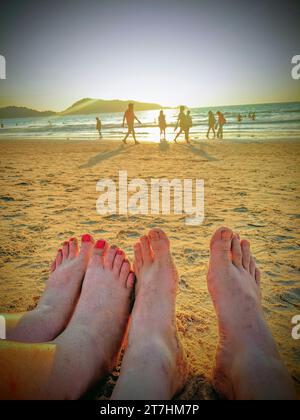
[(164, 146), (200, 152), (101, 157)]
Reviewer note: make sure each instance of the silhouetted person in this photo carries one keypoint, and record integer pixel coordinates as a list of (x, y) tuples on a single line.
[(129, 117), (162, 124), (221, 123), (239, 118), (2, 125), (211, 124), (189, 125), (99, 127), (253, 116), (181, 123)]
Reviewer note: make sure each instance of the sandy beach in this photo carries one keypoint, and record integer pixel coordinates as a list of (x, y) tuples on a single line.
[(48, 194)]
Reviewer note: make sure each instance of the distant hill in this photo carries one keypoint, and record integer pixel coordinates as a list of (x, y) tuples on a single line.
[(95, 106), (22, 112), (84, 106)]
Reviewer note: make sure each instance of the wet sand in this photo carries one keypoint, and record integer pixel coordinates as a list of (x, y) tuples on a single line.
[(48, 194)]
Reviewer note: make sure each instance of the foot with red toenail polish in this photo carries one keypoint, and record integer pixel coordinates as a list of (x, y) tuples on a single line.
[(61, 294)]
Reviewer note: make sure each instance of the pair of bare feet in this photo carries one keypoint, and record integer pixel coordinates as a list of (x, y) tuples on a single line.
[(85, 312)]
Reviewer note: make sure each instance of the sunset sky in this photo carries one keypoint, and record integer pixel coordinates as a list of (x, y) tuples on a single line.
[(195, 52)]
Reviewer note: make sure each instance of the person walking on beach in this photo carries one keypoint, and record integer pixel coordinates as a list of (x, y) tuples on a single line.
[(99, 127), (221, 122), (211, 124), (162, 124), (181, 123), (129, 117), (189, 125)]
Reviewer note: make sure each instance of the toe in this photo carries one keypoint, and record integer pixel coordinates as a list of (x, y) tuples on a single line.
[(146, 250), (258, 277), (73, 248), (130, 280), (59, 258), (65, 250), (110, 257), (252, 266), (99, 252), (236, 250), (118, 262), (87, 245), (124, 273), (221, 244), (246, 254), (138, 257), (159, 242), (53, 267)]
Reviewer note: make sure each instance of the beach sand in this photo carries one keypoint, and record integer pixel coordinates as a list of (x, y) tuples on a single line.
[(48, 194)]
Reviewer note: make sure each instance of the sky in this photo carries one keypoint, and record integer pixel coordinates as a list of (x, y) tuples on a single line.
[(192, 52)]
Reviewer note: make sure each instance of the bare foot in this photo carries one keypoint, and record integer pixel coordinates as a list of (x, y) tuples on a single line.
[(248, 365), (62, 291), (153, 366), (90, 345)]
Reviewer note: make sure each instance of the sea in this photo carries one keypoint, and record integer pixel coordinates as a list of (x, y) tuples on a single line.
[(278, 121)]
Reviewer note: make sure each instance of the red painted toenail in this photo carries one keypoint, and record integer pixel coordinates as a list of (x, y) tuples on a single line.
[(100, 244), (86, 238), (60, 250), (119, 252), (72, 239), (66, 243)]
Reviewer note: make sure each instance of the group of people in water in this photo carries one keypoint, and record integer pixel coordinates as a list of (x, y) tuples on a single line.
[(184, 124)]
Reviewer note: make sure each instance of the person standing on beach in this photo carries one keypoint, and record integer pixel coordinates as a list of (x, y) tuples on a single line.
[(99, 127), (189, 125), (129, 117), (162, 124), (181, 123), (239, 118), (211, 124), (221, 122)]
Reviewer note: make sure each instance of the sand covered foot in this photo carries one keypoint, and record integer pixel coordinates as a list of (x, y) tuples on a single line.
[(248, 365), (153, 366), (89, 347), (58, 301)]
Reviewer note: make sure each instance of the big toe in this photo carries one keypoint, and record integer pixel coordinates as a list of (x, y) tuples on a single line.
[(87, 245), (159, 242), (221, 243)]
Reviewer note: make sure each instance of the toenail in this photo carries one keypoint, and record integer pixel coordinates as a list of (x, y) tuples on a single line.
[(60, 250), (86, 238), (119, 252), (100, 244), (226, 235), (65, 243), (72, 239)]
